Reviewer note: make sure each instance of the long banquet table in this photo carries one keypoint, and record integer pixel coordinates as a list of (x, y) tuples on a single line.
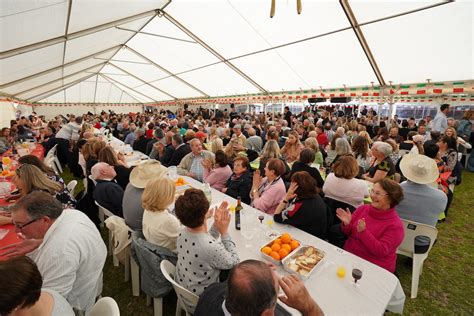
[(377, 291)]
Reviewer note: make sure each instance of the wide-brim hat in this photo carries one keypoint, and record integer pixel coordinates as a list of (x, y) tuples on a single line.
[(146, 171), (419, 168)]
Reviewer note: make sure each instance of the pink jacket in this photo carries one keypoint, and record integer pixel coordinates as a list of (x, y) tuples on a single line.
[(379, 241), (270, 197), (217, 177)]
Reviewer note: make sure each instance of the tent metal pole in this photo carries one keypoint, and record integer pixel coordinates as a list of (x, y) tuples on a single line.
[(69, 9), (157, 35), (118, 82), (59, 79), (166, 70), (141, 80), (360, 36), (95, 88), (121, 90), (88, 31), (44, 72), (212, 51), (46, 94)]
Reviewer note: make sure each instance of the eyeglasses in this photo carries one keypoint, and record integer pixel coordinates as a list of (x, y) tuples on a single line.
[(21, 226), (371, 191)]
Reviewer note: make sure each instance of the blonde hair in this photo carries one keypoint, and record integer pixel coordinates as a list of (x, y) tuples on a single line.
[(366, 136), (158, 194), (216, 145), (271, 150), (312, 143), (35, 179), (229, 149)]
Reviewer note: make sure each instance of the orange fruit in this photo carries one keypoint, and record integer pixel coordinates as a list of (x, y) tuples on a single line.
[(277, 241), (283, 253), (285, 238), (275, 255), (276, 247), (294, 244), (266, 250), (4, 172), (180, 180), (287, 247)]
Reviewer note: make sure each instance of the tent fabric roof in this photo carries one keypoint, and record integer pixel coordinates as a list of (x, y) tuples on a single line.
[(114, 51)]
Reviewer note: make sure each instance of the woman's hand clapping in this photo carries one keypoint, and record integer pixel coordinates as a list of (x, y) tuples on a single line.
[(222, 218), (344, 216)]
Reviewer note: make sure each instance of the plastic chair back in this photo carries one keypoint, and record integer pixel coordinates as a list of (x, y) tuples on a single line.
[(71, 185), (186, 299), (106, 306), (413, 229), (52, 152)]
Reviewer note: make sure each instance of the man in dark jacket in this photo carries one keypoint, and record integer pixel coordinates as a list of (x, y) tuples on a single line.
[(180, 150), (141, 141), (107, 192)]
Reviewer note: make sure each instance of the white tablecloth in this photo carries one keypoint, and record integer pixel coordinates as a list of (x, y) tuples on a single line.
[(378, 289)]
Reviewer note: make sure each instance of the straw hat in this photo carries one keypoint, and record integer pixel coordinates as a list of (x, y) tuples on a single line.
[(146, 171), (419, 168)]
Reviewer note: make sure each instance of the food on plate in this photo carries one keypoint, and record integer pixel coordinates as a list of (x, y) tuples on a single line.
[(4, 172), (305, 260), (281, 247), (6, 160), (180, 181)]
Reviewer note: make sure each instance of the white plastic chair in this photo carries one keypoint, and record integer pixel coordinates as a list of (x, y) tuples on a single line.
[(71, 186), (103, 213), (186, 299), (52, 152), (50, 163), (407, 248), (106, 306)]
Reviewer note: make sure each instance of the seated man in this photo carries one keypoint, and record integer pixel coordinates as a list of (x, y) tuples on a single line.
[(191, 164), (422, 202), (180, 150), (107, 192), (65, 245), (252, 289)]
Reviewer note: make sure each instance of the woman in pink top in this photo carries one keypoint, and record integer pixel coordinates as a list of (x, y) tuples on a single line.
[(268, 192), (217, 177), (375, 231)]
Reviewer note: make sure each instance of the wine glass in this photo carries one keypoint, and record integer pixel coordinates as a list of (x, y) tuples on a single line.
[(357, 275)]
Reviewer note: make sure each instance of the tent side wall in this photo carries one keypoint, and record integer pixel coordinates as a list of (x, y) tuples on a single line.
[(8, 111), (50, 111)]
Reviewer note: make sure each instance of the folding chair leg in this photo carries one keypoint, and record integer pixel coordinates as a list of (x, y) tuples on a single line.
[(101, 217), (148, 300), (179, 310), (415, 276), (127, 268), (158, 306), (135, 272)]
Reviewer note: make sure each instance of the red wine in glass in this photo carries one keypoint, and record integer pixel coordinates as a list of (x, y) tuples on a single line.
[(261, 218), (357, 275)]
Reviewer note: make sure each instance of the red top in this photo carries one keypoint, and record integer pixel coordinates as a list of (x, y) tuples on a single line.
[(322, 140)]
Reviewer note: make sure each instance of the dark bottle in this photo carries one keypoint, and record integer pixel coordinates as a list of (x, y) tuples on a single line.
[(238, 208)]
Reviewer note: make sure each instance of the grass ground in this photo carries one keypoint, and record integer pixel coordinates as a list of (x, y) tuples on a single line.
[(445, 288)]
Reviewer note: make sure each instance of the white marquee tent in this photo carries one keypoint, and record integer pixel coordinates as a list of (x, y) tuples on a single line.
[(146, 51)]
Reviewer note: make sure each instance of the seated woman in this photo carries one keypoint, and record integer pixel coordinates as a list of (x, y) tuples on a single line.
[(159, 226), (240, 182), (218, 175), (25, 295), (331, 150), (341, 184), (448, 153), (302, 207), (201, 255), (382, 166), (342, 148), (48, 171), (304, 164), (29, 178), (269, 151), (312, 144), (269, 191), (374, 230), (108, 155), (291, 150), (360, 150), (408, 143)]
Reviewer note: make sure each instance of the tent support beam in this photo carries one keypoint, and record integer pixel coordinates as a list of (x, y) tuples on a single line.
[(95, 87), (118, 87), (44, 72), (59, 79), (60, 39), (141, 80), (212, 51), (119, 83), (46, 94), (360, 36), (167, 71), (157, 35), (69, 9)]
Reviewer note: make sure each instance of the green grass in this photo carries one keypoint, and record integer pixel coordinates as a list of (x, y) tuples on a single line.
[(445, 286)]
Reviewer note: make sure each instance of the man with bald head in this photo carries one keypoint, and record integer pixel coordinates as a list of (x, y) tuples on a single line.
[(192, 164), (252, 289), (107, 192)]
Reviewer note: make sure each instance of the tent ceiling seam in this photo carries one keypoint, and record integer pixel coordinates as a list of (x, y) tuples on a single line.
[(157, 35), (141, 80), (362, 41), (212, 51), (126, 86), (44, 72), (56, 90), (166, 70)]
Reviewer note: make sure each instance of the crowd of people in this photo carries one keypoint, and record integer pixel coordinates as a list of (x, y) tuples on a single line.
[(313, 171)]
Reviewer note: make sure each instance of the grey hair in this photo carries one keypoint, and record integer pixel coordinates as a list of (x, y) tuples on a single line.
[(38, 204), (342, 147), (383, 147), (194, 140)]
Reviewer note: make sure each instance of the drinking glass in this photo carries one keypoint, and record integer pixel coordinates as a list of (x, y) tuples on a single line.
[(173, 173)]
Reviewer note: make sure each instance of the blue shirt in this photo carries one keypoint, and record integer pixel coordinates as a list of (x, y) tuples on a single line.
[(196, 167)]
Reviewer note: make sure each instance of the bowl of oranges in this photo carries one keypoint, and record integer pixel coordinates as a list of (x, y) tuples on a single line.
[(180, 181), (279, 248)]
